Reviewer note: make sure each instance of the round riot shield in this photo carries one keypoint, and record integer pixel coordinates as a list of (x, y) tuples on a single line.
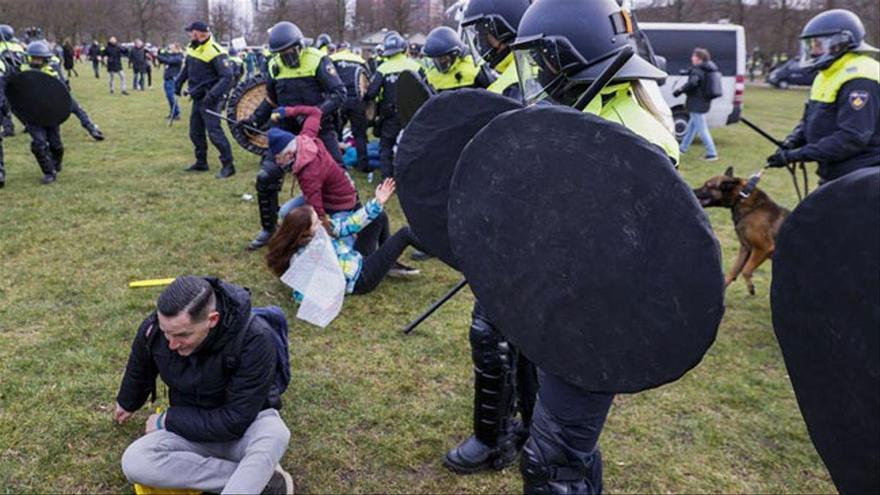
[(586, 249), (363, 82), (427, 154), (825, 297), (412, 93), (37, 98), (243, 101)]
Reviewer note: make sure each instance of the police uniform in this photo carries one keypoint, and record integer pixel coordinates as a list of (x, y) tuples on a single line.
[(46, 144), (209, 76), (2, 102), (13, 54), (350, 66), (237, 67), (383, 86), (507, 82), (463, 73), (314, 82), (840, 128)]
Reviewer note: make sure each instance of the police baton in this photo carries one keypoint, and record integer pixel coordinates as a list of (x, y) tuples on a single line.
[(440, 302), (236, 122)]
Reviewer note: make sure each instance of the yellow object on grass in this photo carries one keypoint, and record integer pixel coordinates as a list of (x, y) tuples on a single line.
[(151, 490), (137, 284)]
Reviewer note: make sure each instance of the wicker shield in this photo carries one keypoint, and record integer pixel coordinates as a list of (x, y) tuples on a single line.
[(243, 101), (363, 82)]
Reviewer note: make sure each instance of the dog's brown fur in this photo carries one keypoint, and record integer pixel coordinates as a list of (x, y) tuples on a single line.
[(756, 220)]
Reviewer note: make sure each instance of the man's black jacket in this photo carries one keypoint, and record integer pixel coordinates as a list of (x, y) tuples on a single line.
[(695, 88), (114, 54), (209, 401)]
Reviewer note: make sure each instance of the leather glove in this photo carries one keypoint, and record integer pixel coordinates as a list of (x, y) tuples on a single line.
[(788, 144), (676, 93), (778, 159)]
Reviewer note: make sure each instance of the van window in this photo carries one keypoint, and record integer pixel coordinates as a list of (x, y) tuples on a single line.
[(676, 45)]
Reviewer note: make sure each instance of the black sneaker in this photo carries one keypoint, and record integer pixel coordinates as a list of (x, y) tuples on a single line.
[(48, 179), (125, 93), (281, 483), (197, 167), (399, 270), (710, 158)]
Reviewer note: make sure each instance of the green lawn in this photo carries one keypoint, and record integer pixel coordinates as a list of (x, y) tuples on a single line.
[(369, 409)]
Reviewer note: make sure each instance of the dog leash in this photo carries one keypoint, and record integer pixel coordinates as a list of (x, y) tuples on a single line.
[(792, 168)]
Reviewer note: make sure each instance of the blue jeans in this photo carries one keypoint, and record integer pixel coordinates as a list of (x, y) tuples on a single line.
[(169, 95), (290, 205), (697, 123)]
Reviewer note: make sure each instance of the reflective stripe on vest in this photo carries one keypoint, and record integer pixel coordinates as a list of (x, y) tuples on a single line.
[(508, 76), (206, 52), (625, 110), (309, 61), (398, 63), (348, 57), (846, 68), (46, 69), (462, 74), (10, 46)]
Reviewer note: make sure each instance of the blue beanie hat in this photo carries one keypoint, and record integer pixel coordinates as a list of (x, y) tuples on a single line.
[(279, 139)]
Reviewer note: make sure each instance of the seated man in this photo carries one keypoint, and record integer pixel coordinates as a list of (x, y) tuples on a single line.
[(222, 431)]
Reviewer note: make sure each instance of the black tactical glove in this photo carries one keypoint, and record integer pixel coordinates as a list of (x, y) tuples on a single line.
[(778, 159)]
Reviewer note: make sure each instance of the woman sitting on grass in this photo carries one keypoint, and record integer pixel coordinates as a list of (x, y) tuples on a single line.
[(363, 261)]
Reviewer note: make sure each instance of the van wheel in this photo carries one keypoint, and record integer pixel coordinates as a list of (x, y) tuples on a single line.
[(783, 84), (680, 119)]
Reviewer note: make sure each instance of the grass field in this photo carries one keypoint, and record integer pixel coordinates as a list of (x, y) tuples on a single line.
[(369, 410)]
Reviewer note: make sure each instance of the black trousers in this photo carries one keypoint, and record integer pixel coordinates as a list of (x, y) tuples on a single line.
[(46, 146), (96, 66), (202, 123), (380, 261), (354, 112), (81, 114), (387, 141)]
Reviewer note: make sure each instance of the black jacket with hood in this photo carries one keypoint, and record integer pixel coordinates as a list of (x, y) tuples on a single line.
[(695, 88), (209, 400)]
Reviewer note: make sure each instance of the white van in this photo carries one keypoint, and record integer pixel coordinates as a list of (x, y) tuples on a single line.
[(727, 45)]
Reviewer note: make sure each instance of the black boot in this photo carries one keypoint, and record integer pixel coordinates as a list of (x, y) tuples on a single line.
[(58, 158), (2, 175), (267, 200), (197, 167), (47, 165), (493, 444), (228, 170)]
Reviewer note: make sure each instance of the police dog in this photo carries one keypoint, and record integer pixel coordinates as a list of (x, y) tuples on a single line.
[(756, 220)]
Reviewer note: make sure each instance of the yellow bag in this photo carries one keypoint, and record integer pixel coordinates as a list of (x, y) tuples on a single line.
[(150, 490)]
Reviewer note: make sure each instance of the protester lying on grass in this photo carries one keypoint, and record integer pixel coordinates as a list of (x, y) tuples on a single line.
[(222, 431), (363, 261)]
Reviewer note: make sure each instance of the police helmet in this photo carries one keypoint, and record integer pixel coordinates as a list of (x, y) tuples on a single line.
[(6, 32), (496, 18), (344, 46), (39, 49), (393, 44), (829, 35), (444, 46), (284, 35), (562, 46), (323, 40)]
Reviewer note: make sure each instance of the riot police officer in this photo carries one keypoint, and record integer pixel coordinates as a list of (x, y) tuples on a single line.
[(489, 27), (237, 65), (384, 86), (840, 128), (2, 102), (298, 75), (46, 142), (452, 68), (557, 60), (13, 55), (352, 68), (208, 72), (323, 42), (504, 380)]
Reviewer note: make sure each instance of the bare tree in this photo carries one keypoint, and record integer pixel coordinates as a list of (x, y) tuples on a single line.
[(398, 15)]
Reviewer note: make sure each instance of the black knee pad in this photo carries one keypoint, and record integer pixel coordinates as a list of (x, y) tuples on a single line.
[(268, 184), (491, 353)]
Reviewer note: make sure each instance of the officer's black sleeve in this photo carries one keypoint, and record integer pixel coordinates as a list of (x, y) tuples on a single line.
[(858, 109), (140, 372), (797, 138), (264, 111), (484, 77), (222, 66), (332, 84), (375, 86), (181, 78)]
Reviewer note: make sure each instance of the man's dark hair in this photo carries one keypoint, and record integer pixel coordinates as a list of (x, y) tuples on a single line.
[(702, 54), (187, 293)]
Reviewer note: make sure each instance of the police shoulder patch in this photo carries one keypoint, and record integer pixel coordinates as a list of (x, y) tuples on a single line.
[(331, 69), (858, 99)]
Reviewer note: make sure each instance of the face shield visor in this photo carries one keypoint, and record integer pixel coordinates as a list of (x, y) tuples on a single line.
[(445, 62), (820, 51), (542, 64), (485, 36), (290, 57)]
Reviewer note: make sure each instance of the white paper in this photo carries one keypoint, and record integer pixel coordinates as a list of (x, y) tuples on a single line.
[(315, 273), (239, 43)]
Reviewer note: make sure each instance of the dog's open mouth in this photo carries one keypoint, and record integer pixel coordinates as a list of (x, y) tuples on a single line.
[(705, 201)]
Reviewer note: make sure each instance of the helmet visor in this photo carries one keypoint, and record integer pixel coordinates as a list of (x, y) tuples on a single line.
[(542, 65), (444, 62), (477, 38), (817, 50)]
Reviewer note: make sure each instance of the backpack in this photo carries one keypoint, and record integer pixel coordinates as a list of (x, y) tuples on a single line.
[(277, 321), (712, 85)]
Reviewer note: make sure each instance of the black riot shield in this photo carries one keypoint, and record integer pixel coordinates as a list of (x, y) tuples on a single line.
[(243, 101), (427, 154), (37, 98), (825, 297), (412, 93), (586, 249)]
